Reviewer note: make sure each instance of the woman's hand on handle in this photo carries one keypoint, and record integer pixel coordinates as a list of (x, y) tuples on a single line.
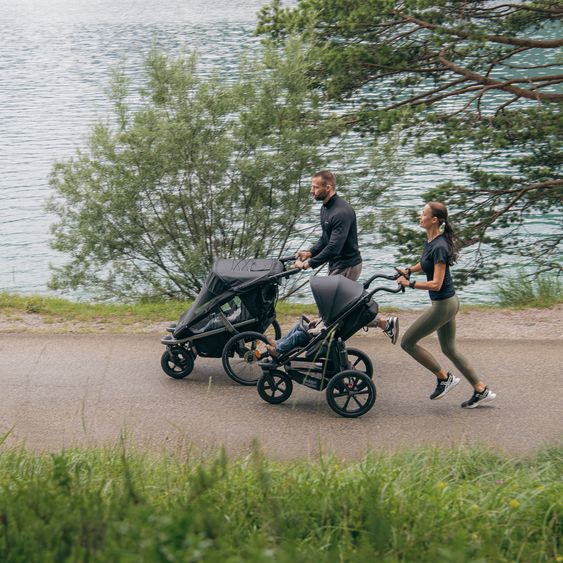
[(402, 280)]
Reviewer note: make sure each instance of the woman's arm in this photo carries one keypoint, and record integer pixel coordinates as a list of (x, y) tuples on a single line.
[(435, 284)]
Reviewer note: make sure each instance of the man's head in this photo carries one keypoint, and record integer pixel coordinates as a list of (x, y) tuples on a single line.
[(323, 185)]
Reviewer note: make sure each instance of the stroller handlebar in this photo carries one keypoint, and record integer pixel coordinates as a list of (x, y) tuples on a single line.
[(398, 289), (288, 258), (392, 277), (380, 276), (286, 274)]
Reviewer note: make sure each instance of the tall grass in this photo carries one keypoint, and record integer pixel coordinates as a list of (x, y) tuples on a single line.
[(422, 505), (524, 291)]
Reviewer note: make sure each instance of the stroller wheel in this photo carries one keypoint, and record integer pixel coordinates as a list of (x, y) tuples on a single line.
[(241, 355), (275, 387), (177, 363), (360, 361), (350, 393)]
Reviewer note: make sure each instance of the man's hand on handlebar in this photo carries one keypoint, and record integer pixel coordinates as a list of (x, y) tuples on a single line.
[(302, 255), (302, 265)]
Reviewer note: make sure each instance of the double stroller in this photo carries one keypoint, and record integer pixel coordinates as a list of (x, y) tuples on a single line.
[(324, 362), (230, 319)]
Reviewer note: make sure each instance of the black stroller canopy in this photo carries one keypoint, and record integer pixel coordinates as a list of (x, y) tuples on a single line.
[(227, 277), (231, 272), (334, 294)]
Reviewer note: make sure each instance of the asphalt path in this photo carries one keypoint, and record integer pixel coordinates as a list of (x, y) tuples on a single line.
[(59, 391)]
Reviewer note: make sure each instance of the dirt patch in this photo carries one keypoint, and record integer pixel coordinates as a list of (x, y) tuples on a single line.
[(527, 324)]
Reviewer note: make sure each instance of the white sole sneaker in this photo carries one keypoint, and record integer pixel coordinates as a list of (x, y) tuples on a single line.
[(455, 380), (490, 396)]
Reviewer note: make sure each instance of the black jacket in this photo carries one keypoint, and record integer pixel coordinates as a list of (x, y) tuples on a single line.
[(338, 244)]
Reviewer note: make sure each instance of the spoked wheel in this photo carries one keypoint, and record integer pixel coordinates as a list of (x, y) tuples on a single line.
[(350, 393), (177, 362), (275, 387), (360, 361), (241, 355)]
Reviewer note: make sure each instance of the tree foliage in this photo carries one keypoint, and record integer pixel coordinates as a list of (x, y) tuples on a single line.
[(461, 77), (189, 170)]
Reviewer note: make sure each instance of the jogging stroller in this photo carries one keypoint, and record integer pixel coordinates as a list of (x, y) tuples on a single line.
[(345, 307), (228, 319)]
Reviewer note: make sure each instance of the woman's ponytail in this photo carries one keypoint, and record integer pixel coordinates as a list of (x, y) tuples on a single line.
[(440, 211)]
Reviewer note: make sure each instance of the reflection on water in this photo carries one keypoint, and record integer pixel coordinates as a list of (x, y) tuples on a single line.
[(55, 61)]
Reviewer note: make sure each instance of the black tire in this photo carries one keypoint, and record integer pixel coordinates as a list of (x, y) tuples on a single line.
[(241, 355), (177, 362), (360, 361), (275, 387), (350, 393)]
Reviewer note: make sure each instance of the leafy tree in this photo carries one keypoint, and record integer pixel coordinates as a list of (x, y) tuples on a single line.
[(191, 170), (460, 76)]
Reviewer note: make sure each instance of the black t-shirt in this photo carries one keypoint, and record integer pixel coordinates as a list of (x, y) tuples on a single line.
[(338, 244), (435, 252)]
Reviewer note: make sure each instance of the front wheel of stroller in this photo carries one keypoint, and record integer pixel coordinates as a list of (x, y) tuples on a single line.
[(177, 362), (350, 393), (241, 355), (360, 361), (275, 387)]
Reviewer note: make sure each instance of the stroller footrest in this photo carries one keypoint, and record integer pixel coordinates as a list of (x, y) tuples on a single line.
[(169, 340)]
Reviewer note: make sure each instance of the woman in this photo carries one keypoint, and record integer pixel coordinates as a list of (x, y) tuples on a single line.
[(440, 252)]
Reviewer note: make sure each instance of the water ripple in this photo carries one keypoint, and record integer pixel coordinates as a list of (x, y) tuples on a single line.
[(55, 66)]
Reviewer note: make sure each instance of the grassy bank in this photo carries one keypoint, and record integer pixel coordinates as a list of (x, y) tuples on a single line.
[(421, 505), (55, 309), (58, 310)]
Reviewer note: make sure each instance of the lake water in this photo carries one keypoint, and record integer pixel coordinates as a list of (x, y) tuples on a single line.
[(55, 62)]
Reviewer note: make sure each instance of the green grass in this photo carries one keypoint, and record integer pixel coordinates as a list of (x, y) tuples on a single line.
[(64, 310), (522, 291), (419, 505)]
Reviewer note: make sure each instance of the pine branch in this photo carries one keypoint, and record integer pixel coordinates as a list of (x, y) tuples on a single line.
[(517, 41)]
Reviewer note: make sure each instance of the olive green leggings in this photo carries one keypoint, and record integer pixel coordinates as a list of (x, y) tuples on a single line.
[(440, 317)]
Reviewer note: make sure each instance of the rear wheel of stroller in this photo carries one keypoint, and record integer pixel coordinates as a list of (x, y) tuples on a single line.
[(177, 362), (360, 361), (275, 387), (350, 393), (241, 355)]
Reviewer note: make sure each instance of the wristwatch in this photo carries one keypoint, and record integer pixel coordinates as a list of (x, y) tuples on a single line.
[(412, 284)]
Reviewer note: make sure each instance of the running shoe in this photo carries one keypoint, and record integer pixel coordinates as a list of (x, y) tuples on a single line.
[(479, 399), (444, 385), (392, 329)]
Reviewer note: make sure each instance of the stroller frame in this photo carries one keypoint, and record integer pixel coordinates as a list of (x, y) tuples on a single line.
[(325, 364), (181, 351)]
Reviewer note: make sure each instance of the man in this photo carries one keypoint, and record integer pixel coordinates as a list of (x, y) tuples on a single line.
[(338, 244)]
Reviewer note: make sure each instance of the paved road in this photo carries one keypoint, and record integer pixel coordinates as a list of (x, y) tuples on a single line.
[(63, 390)]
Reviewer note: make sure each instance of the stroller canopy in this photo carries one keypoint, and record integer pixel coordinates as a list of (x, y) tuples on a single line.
[(228, 273), (334, 294), (228, 276)]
